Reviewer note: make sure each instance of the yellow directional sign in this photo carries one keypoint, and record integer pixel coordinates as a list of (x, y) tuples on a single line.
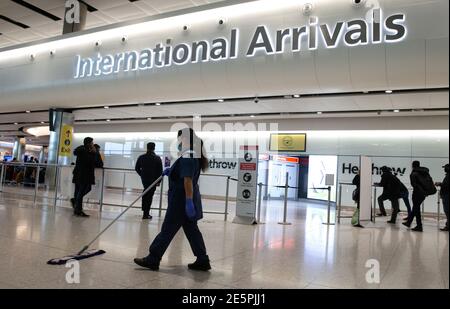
[(65, 141)]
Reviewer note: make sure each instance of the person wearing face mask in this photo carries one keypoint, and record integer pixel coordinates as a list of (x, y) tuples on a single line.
[(83, 174), (184, 204)]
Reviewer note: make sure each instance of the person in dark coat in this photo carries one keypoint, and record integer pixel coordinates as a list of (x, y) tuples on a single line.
[(149, 168), (419, 195), (84, 174), (98, 156), (404, 195), (184, 204), (391, 192), (445, 191)]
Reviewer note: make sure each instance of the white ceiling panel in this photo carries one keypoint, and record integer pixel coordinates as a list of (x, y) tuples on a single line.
[(108, 12)]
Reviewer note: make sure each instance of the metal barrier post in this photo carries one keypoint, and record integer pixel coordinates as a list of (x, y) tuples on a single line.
[(339, 205), (36, 184), (374, 211), (1, 177), (102, 189), (329, 208), (161, 197), (56, 186), (286, 188), (260, 186), (439, 209), (227, 196)]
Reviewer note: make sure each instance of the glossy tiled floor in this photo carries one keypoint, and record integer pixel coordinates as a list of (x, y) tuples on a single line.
[(306, 254)]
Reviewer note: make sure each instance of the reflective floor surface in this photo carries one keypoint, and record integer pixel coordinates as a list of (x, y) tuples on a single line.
[(306, 254)]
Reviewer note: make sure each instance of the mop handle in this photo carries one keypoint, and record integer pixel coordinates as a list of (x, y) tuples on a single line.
[(128, 208)]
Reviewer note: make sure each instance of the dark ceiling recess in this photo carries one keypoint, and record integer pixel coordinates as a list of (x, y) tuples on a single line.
[(14, 22), (37, 9), (90, 8)]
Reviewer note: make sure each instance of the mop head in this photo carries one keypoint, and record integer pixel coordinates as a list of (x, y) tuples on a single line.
[(85, 255)]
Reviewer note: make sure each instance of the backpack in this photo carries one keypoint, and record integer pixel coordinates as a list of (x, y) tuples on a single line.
[(427, 184)]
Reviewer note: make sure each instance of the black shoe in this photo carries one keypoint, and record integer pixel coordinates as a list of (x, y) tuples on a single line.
[(72, 201), (147, 217), (81, 214), (146, 264), (417, 229), (200, 266), (406, 224), (391, 222), (445, 229)]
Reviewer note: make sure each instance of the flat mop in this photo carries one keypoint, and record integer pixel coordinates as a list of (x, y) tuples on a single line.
[(85, 253)]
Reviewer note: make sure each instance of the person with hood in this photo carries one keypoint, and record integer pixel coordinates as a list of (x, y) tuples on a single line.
[(184, 208), (84, 174), (445, 194), (418, 180)]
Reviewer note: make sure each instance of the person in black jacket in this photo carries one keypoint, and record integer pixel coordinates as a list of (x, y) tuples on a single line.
[(418, 196), (445, 194), (149, 167), (98, 156), (391, 191), (84, 174)]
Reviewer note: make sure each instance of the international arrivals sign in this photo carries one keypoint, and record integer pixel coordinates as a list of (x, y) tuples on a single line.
[(264, 41)]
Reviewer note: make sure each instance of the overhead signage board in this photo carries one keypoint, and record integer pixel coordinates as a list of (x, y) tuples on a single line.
[(288, 142), (264, 41)]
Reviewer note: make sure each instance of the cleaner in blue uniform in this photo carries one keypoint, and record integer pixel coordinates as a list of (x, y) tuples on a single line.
[(184, 204)]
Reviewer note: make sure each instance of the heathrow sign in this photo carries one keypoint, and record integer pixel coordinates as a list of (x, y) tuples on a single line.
[(263, 42)]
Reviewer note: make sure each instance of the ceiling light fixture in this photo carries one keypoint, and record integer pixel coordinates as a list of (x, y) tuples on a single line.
[(389, 91), (296, 96)]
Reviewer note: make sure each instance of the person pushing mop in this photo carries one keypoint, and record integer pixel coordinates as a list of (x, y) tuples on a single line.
[(184, 204)]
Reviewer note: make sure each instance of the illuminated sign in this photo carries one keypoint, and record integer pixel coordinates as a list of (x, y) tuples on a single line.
[(264, 42), (288, 142)]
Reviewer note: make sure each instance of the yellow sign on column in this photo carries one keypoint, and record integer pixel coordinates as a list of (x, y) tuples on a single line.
[(65, 141)]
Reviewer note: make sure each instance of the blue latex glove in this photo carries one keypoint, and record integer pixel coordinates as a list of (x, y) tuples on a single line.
[(190, 209), (166, 172)]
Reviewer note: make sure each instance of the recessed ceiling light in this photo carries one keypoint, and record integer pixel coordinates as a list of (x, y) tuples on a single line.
[(252, 116), (149, 118), (319, 113), (42, 122), (108, 120), (158, 104), (296, 96), (221, 100), (389, 91), (27, 112), (396, 111), (15, 123), (106, 107)]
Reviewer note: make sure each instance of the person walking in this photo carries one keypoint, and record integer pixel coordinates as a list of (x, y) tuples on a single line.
[(149, 168), (404, 195), (444, 185), (423, 186), (184, 204), (391, 192), (84, 174)]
